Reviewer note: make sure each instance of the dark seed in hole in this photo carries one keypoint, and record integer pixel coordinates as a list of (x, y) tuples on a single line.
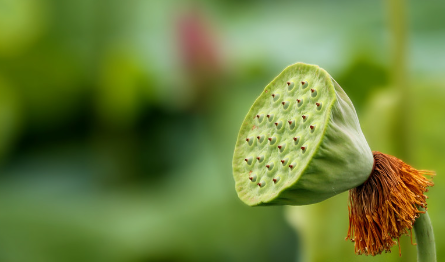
[(312, 90), (303, 116), (312, 127), (274, 180), (295, 139)]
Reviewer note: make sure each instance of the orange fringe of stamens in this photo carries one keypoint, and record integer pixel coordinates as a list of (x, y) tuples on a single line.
[(386, 205)]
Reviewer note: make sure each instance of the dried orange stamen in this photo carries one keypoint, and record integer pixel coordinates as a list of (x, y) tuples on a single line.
[(386, 205)]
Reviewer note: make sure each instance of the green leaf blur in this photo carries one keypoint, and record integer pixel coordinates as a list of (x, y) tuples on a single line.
[(118, 121)]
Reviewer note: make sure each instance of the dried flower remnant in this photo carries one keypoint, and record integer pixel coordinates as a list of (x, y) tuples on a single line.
[(386, 205)]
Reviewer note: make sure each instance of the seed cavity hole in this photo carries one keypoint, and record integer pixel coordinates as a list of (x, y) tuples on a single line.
[(275, 97), (299, 102), (260, 138), (260, 118), (312, 128), (284, 161), (290, 85), (285, 104), (272, 140), (279, 124), (314, 92)]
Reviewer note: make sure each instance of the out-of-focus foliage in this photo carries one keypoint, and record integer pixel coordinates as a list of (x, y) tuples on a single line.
[(118, 121)]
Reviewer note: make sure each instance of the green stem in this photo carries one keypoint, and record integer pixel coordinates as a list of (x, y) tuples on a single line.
[(399, 78), (426, 247)]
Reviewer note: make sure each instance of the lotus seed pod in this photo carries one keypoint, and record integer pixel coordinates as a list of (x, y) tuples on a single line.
[(313, 147)]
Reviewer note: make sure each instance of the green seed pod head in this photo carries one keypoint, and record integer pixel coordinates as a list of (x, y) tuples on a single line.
[(301, 142)]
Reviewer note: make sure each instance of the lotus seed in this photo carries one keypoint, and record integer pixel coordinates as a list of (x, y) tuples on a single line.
[(248, 160), (253, 178), (279, 124)]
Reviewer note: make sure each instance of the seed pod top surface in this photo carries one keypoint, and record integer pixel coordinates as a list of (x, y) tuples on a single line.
[(301, 142)]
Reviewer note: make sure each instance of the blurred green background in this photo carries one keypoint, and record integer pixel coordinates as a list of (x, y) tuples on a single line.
[(118, 121)]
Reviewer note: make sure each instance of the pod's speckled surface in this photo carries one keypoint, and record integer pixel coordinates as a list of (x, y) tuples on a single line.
[(292, 143)]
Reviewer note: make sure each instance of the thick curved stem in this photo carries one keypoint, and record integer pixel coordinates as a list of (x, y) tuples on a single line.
[(426, 247)]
